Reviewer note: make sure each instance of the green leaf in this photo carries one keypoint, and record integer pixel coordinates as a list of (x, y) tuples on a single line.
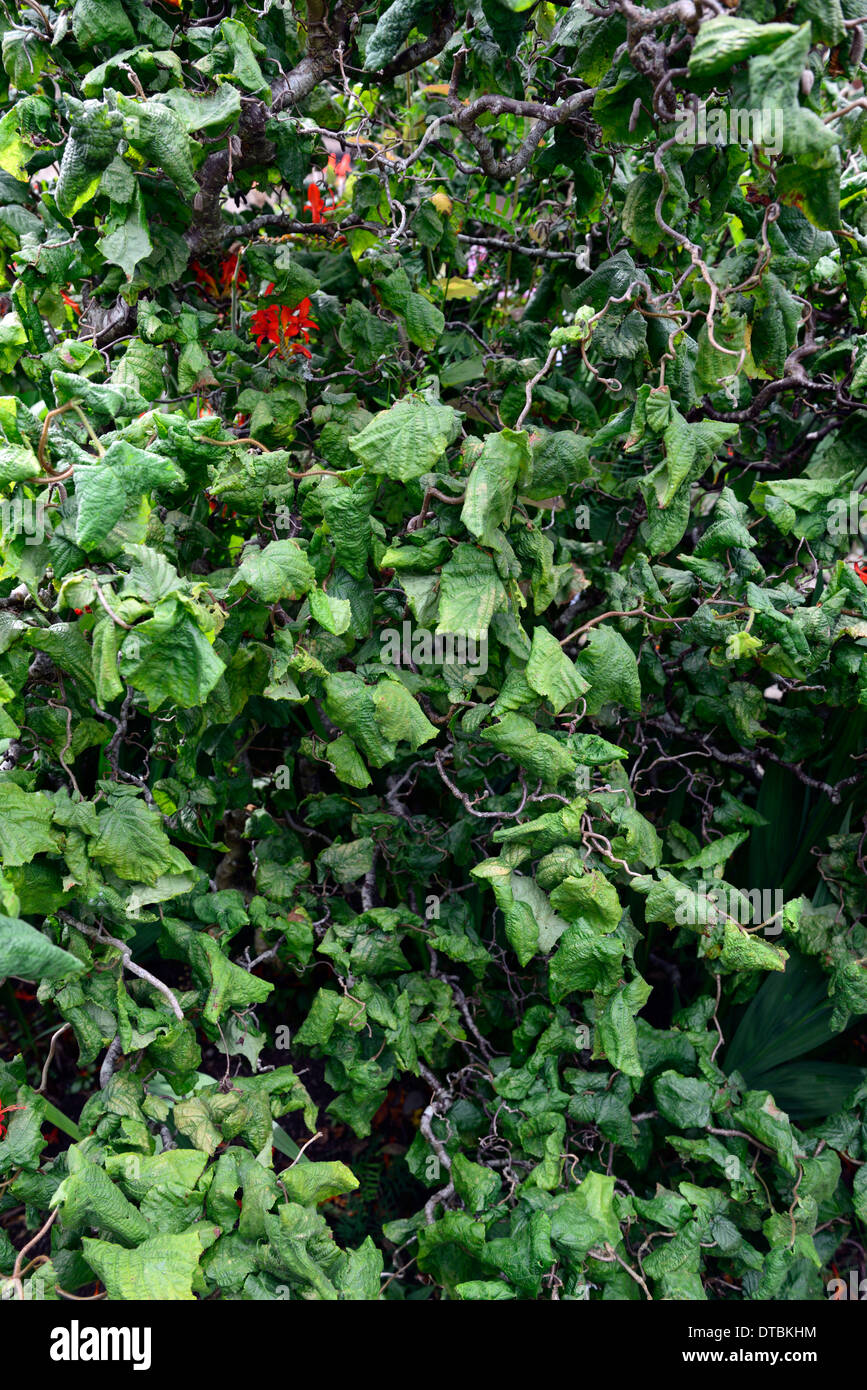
[(168, 658), (160, 1269), (545, 758), (311, 1183), (725, 40), (94, 22), (424, 321), (471, 592), (351, 705), (95, 129), (550, 926), (551, 673), (334, 614), (88, 1192), (683, 1101), (504, 458), (105, 490), (586, 1218), (609, 667), (227, 985), (347, 762), (25, 825), (126, 241), (155, 132), (245, 67), (406, 440), (205, 110), (743, 951), (585, 960), (30, 955), (399, 717), (280, 570), (392, 27), (617, 1035), (348, 862), (591, 899), (130, 840), (24, 57), (138, 1172)]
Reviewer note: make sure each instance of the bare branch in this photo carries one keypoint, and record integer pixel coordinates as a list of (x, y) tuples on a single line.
[(126, 959)]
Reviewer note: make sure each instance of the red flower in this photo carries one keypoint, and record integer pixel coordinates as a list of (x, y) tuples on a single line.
[(205, 278), (315, 203), (860, 570), (341, 169), (76, 308), (228, 269), (227, 275), (277, 323)]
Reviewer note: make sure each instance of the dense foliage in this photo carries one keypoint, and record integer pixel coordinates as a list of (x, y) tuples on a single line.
[(433, 649)]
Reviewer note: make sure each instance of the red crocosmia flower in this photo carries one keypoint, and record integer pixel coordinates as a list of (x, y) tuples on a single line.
[(341, 169), (205, 278), (280, 324), (315, 204), (228, 274), (860, 570), (76, 308)]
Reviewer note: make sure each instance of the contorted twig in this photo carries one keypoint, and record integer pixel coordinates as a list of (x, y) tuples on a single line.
[(126, 959)]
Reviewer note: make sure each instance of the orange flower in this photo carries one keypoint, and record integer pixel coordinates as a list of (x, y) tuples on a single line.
[(315, 203), (227, 276), (76, 308), (229, 272), (341, 169), (205, 278), (277, 323)]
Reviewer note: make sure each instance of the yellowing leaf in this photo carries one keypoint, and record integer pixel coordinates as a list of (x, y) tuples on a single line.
[(455, 288), (13, 150)]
